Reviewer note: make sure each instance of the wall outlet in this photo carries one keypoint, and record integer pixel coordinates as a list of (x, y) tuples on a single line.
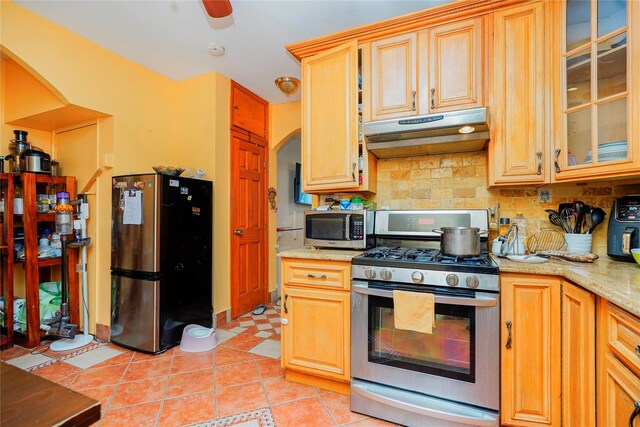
[(544, 195)]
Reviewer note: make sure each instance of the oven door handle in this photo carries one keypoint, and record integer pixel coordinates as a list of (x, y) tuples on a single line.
[(479, 301)]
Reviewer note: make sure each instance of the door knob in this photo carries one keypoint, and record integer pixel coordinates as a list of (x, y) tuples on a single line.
[(237, 232)]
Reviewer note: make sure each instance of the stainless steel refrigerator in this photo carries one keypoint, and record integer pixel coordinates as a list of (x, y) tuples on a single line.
[(161, 257)]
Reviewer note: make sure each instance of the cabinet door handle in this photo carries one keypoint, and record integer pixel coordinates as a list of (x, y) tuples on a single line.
[(638, 351), (539, 154), (555, 160), (509, 337), (235, 107), (353, 171), (635, 413), (286, 311), (413, 102), (314, 276), (433, 95)]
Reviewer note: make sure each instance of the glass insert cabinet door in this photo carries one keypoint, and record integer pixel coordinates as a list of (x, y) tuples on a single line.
[(595, 64)]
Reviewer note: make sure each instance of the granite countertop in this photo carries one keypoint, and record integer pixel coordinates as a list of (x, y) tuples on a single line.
[(319, 253), (618, 282)]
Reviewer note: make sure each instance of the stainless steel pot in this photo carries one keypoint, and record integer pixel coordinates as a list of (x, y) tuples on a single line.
[(460, 241)]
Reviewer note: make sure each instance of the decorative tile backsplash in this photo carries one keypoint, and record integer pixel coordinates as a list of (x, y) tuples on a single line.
[(460, 181)]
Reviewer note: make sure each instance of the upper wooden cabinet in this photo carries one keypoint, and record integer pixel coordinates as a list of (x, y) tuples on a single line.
[(330, 143), (437, 69), (248, 111), (455, 58), (393, 77), (596, 89), (518, 150)]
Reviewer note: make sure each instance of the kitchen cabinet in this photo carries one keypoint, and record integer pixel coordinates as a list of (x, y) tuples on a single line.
[(433, 70), (618, 366), (453, 55), (578, 356), (316, 322), (548, 352), (597, 61), (530, 342), (330, 140), (393, 77), (37, 270), (249, 112), (518, 151)]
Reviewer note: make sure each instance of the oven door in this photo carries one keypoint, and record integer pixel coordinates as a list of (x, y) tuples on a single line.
[(459, 361)]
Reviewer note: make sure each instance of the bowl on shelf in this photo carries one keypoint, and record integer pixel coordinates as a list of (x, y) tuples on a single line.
[(168, 170), (636, 254)]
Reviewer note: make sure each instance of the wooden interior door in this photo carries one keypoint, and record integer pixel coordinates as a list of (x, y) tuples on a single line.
[(249, 286)]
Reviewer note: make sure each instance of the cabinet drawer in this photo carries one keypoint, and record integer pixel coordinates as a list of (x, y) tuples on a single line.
[(622, 334), (317, 274)]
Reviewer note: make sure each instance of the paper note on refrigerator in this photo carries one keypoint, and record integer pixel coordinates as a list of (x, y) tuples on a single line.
[(132, 207)]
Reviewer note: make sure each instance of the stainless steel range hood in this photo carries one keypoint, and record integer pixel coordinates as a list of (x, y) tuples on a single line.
[(449, 132)]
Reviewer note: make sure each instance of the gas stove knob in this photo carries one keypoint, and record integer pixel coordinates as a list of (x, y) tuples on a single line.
[(369, 273), (452, 279), (473, 282), (417, 277), (385, 274)]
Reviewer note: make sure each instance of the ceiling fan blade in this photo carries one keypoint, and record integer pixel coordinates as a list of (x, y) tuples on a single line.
[(218, 8)]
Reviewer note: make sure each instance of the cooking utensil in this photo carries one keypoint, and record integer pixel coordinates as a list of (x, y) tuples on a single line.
[(587, 218), (556, 219), (579, 214), (597, 217), (569, 219), (545, 240), (460, 241)]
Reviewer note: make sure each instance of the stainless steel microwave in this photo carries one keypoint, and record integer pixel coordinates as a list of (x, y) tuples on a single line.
[(341, 229)]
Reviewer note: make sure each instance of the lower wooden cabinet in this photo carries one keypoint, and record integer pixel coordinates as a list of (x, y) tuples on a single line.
[(548, 352), (530, 340), (578, 337), (315, 338), (316, 322), (618, 367)]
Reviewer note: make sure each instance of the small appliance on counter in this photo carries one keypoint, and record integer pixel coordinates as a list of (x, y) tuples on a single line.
[(624, 228), (25, 157), (339, 229)]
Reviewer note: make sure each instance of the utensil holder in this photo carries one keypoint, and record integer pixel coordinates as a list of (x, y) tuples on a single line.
[(580, 243)]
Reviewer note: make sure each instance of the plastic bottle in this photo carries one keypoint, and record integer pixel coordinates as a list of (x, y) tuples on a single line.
[(521, 222)]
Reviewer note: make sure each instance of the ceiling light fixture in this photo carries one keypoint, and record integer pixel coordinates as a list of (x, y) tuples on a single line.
[(288, 85), (466, 129), (571, 89), (217, 8)]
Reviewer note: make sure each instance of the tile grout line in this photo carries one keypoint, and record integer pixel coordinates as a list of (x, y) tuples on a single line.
[(166, 385)]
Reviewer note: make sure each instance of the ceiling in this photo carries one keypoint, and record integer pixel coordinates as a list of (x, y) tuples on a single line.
[(171, 37)]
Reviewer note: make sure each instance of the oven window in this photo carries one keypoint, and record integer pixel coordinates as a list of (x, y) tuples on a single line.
[(447, 352)]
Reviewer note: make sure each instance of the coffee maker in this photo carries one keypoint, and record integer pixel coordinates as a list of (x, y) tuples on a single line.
[(624, 228)]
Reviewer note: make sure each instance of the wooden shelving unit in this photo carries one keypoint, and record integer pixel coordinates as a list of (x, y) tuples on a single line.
[(6, 258), (36, 269)]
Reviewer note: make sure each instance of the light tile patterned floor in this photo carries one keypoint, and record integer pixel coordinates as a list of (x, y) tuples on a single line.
[(176, 388)]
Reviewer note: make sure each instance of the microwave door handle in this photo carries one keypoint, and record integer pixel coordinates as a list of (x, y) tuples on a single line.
[(479, 301), (347, 229)]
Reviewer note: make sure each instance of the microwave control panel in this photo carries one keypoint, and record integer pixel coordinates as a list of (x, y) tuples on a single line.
[(357, 227)]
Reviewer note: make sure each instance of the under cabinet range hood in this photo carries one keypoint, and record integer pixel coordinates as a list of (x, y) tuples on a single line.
[(447, 132)]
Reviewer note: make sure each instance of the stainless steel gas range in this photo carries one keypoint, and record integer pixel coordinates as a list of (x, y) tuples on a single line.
[(449, 378)]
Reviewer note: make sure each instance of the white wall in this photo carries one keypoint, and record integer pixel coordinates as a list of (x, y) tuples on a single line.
[(290, 214)]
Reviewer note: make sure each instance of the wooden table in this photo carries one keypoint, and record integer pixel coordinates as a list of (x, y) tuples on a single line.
[(29, 400)]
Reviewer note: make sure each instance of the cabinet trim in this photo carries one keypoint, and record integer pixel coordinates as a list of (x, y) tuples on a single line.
[(397, 25)]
